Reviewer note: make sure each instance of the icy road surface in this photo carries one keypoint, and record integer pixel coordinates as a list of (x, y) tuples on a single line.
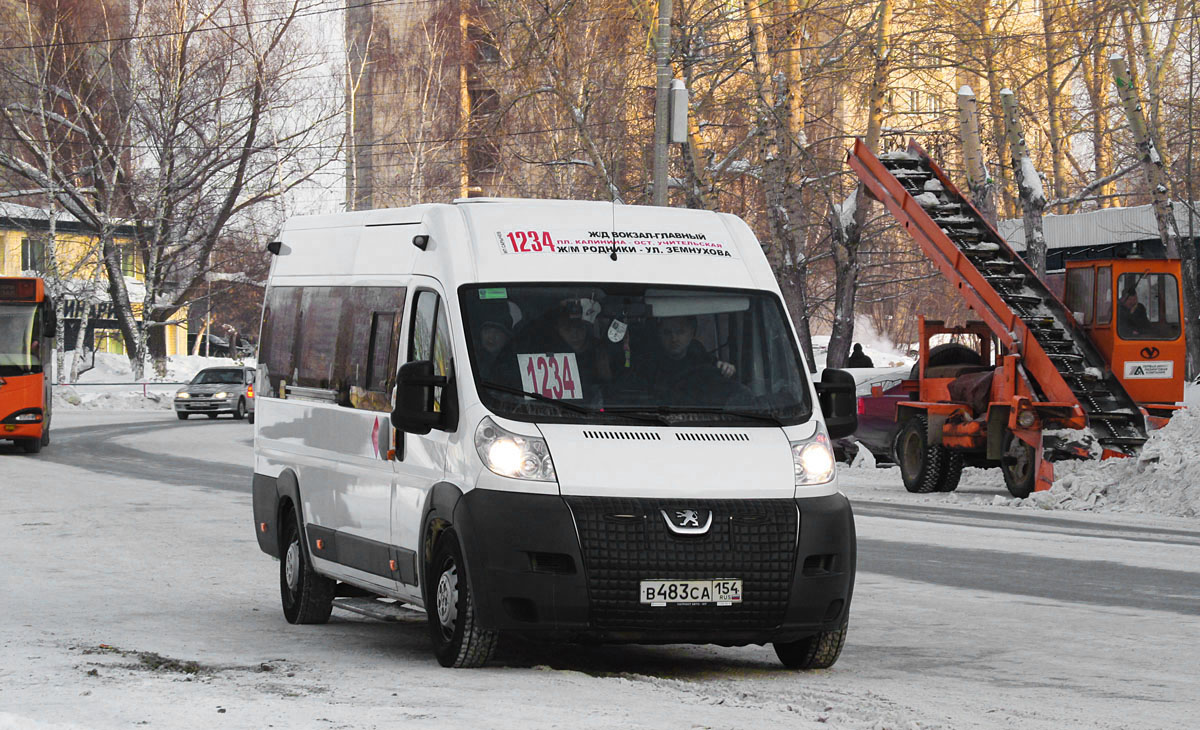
[(134, 593)]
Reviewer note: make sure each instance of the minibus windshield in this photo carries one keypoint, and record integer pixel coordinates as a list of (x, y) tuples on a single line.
[(616, 353), (19, 344)]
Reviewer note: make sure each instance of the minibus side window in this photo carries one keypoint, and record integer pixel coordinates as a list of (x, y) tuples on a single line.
[(276, 349), (430, 338)]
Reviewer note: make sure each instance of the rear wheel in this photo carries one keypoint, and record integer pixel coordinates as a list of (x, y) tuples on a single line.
[(1018, 464), (458, 641), (951, 470), (307, 596), (819, 651), (211, 415), (240, 412), (921, 465), (250, 417)]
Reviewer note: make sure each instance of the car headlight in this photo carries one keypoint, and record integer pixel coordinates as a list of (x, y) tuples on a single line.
[(813, 459), (220, 395), (183, 394), (511, 455)]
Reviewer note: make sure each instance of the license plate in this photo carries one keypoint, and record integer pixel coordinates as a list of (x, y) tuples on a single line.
[(724, 592)]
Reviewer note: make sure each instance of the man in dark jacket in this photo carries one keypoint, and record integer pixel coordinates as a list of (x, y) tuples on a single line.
[(686, 374), (859, 359)]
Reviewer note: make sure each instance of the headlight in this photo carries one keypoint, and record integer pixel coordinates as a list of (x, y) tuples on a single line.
[(220, 395), (813, 460), (28, 418), (511, 455), (183, 394), (1026, 419)]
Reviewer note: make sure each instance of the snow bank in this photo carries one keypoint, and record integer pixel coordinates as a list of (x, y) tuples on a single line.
[(1164, 479), (9, 721), (883, 353), (110, 385)]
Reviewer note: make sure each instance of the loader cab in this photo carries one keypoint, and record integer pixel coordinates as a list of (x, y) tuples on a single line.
[(1131, 309)]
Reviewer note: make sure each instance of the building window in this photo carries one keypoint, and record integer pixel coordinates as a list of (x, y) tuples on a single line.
[(33, 254)]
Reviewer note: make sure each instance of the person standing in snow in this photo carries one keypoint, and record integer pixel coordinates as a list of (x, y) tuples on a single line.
[(859, 359)]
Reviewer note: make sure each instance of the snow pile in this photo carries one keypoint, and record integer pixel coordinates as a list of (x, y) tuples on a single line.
[(180, 368), (883, 353), (1164, 479), (67, 396)]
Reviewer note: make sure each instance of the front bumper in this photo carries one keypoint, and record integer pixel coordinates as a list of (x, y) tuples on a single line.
[(569, 568), (206, 405)]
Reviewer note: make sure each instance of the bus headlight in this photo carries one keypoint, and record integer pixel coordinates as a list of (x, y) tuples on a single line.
[(511, 455), (813, 460), (28, 418)]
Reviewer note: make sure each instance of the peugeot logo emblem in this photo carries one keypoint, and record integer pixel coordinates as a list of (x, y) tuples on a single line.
[(1149, 352), (686, 521)]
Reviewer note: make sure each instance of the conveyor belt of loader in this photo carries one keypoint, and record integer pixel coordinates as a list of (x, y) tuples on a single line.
[(1065, 368)]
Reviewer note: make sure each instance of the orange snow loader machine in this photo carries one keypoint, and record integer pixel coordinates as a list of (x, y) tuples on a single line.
[(27, 327), (1037, 379)]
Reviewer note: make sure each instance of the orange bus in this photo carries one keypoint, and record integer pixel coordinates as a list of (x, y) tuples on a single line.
[(26, 343)]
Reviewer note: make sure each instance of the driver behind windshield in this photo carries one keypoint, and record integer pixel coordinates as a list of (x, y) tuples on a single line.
[(574, 331), (684, 369)]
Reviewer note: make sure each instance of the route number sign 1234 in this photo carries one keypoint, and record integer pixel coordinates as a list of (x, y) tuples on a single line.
[(552, 374)]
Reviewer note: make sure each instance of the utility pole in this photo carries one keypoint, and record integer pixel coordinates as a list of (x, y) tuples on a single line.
[(662, 48)]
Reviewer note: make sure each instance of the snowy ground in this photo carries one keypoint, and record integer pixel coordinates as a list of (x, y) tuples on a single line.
[(135, 594)]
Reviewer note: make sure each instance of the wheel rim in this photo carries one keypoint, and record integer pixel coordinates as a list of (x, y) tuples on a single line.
[(1019, 460), (910, 457), (447, 599), (291, 566)]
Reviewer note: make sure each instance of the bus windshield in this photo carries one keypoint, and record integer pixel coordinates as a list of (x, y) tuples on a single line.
[(19, 346), (621, 353)]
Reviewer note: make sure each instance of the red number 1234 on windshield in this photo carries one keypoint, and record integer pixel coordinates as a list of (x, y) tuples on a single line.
[(552, 374)]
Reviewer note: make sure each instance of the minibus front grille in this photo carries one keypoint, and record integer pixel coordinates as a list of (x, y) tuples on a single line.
[(623, 435), (625, 541), (703, 436)]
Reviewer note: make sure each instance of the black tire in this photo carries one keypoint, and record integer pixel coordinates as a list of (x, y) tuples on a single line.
[(819, 651), (458, 641), (31, 446), (250, 417), (1019, 467), (45, 437), (921, 465), (181, 415), (240, 412), (951, 471), (307, 596), (211, 416)]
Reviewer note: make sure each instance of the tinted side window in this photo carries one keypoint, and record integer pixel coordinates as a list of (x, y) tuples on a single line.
[(430, 338), (1079, 294), (339, 343), (276, 348), (1104, 301)]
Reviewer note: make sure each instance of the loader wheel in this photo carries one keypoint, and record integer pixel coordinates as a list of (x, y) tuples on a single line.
[(921, 465), (1019, 466), (951, 471)]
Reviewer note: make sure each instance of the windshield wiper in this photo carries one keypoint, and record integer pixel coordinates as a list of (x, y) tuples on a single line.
[(714, 410), (567, 405)]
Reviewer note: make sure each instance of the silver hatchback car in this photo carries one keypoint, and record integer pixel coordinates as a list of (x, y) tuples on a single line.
[(218, 390)]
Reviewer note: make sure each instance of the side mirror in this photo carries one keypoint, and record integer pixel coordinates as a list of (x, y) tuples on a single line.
[(836, 392), (414, 411)]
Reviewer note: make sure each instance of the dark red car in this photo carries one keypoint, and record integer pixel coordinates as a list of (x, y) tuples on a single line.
[(879, 391)]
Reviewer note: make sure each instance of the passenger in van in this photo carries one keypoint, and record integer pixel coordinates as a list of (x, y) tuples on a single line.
[(497, 356), (686, 371), (572, 332)]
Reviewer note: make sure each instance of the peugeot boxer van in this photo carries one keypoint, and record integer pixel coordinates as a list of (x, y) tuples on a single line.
[(571, 420)]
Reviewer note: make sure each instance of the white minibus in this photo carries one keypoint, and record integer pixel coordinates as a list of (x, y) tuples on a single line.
[(575, 421)]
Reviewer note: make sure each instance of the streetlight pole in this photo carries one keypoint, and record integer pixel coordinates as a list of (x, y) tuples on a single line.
[(662, 47)]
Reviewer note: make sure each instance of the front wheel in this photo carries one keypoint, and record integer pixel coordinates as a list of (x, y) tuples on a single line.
[(921, 464), (240, 412), (1019, 467), (32, 446), (181, 415), (819, 651), (307, 595), (211, 416), (458, 641)]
